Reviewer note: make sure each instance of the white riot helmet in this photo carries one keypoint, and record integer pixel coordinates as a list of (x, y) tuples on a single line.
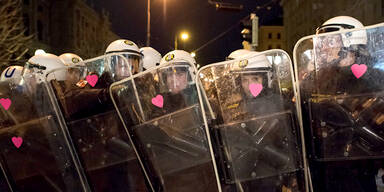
[(131, 52), (122, 45), (70, 59), (11, 72), (178, 56), (181, 64), (151, 58), (46, 63), (254, 62), (240, 53), (343, 23)]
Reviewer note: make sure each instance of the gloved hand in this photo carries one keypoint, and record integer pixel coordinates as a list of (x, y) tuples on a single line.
[(103, 96)]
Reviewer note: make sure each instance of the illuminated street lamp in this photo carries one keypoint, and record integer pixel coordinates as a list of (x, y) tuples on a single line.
[(184, 36), (148, 43)]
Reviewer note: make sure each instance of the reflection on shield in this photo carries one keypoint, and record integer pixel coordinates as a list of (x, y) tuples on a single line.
[(45, 159), (254, 147), (341, 100), (98, 135), (175, 139), (255, 136), (347, 127), (162, 113)]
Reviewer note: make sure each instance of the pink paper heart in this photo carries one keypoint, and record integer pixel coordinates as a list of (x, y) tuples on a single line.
[(6, 103), (158, 101), (17, 141), (255, 89), (358, 70), (92, 79)]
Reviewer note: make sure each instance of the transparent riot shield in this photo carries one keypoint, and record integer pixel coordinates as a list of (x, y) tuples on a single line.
[(35, 154), (341, 82), (5, 184), (161, 111), (99, 137), (255, 135)]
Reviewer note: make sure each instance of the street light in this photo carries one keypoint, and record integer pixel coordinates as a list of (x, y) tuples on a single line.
[(148, 23), (184, 36), (149, 20)]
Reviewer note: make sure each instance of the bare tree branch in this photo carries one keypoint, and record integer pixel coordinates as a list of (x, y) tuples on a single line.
[(13, 42)]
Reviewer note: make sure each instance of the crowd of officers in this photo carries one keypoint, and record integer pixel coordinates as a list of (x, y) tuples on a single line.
[(102, 134)]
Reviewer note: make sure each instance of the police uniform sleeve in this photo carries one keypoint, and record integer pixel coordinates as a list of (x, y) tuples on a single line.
[(80, 102)]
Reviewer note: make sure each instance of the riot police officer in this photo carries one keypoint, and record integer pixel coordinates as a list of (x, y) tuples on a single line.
[(11, 72), (98, 133), (253, 148), (43, 154), (70, 59), (167, 126), (340, 136), (151, 58)]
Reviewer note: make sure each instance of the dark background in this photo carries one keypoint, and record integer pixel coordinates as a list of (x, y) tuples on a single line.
[(199, 18)]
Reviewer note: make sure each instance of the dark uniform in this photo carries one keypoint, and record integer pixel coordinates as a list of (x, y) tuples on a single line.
[(99, 136), (255, 137), (44, 160), (171, 139), (260, 145), (343, 142)]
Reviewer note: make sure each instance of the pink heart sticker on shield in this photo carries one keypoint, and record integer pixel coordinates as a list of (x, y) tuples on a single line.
[(158, 101), (6, 103), (255, 89), (92, 79), (358, 70), (17, 141)]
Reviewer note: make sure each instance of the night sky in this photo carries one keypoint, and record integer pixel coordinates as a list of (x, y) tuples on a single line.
[(198, 17)]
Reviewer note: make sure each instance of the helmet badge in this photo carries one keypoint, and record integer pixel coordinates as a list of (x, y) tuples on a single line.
[(169, 57), (75, 60), (243, 63), (128, 42)]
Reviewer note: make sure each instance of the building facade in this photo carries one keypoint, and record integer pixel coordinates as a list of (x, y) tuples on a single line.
[(271, 37), (67, 26), (302, 17)]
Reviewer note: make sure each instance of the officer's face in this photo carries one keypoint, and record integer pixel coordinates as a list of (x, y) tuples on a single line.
[(73, 74), (123, 69), (348, 60), (247, 79), (135, 63), (176, 82)]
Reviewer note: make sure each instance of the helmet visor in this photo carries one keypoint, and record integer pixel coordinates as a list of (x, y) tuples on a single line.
[(332, 28), (125, 65), (253, 78), (176, 77)]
